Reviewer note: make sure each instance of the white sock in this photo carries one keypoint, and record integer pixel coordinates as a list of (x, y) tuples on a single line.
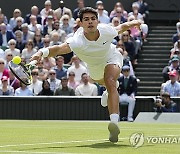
[(114, 117), (117, 84)]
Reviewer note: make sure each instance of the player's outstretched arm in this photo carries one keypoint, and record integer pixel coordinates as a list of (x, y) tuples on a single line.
[(51, 51), (125, 26)]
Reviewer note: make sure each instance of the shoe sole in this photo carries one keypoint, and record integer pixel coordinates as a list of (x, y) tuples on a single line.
[(114, 132)]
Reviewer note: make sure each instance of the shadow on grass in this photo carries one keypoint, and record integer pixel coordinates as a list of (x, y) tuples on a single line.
[(102, 145)]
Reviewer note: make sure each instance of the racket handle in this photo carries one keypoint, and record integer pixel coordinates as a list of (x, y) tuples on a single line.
[(33, 62)]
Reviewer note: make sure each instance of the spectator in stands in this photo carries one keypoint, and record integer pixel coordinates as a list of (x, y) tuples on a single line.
[(71, 81), (23, 90), (5, 36), (3, 70), (65, 24), (50, 13), (19, 21), (20, 44), (49, 62), (117, 5), (71, 19), (59, 12), (130, 48), (172, 86), (65, 90), (46, 41), (126, 60), (12, 48), (55, 39), (103, 18), (176, 36), (86, 88), (61, 71), (80, 4), (28, 51), (53, 81), (34, 26), (100, 3), (44, 12), (127, 90), (174, 65), (56, 28), (144, 10), (119, 15), (2, 21), (4, 18), (2, 54), (42, 72), (36, 85), (46, 91), (27, 35), (48, 28), (165, 104), (38, 43), (135, 12), (6, 89), (8, 58), (12, 21), (77, 68), (35, 12), (13, 81)]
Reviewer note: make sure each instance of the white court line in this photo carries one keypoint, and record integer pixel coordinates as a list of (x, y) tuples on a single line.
[(68, 142), (29, 152)]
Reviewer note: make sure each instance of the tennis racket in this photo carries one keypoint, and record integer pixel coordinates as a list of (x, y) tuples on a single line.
[(23, 72)]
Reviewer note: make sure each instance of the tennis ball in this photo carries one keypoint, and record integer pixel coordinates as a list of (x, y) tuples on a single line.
[(16, 60)]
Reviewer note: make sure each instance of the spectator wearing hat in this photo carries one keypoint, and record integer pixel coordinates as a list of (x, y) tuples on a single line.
[(165, 104), (35, 12), (65, 90), (86, 88), (80, 5), (27, 35), (174, 65), (127, 90), (59, 12), (172, 86), (6, 89)]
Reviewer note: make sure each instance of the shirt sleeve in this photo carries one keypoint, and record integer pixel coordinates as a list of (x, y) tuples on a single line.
[(109, 30)]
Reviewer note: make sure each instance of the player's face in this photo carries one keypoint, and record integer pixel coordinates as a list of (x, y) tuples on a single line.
[(89, 23)]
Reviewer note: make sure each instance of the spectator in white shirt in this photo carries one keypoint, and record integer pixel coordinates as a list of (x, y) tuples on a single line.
[(86, 88), (77, 68), (103, 18), (12, 49), (36, 85)]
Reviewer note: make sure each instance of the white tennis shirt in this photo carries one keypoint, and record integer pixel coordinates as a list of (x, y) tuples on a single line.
[(97, 54)]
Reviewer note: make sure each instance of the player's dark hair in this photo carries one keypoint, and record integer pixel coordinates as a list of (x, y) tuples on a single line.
[(87, 10)]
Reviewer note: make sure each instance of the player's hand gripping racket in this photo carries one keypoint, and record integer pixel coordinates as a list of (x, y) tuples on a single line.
[(22, 72)]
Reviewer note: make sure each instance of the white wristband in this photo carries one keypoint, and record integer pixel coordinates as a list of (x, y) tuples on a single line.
[(45, 52)]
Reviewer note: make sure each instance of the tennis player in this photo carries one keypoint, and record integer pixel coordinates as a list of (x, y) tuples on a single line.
[(92, 44)]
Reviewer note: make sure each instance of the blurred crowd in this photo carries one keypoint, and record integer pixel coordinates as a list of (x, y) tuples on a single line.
[(171, 72), (66, 74)]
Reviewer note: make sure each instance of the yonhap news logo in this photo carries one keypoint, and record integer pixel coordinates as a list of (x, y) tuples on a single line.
[(138, 139)]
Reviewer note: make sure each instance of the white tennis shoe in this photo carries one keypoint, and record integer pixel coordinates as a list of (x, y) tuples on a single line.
[(114, 132)]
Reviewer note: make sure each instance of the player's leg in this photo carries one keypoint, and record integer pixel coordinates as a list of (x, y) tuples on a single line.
[(111, 75)]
